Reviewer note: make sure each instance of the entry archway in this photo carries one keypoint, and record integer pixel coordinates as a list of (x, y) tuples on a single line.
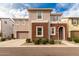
[(61, 33)]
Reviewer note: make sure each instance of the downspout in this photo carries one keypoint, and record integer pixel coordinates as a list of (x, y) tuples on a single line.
[(49, 28)]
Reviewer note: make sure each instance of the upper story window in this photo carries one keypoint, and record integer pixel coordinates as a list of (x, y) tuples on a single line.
[(39, 15), (75, 21), (55, 18)]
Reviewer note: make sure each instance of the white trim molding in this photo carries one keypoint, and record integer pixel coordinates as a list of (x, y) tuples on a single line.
[(54, 30), (37, 31), (39, 21)]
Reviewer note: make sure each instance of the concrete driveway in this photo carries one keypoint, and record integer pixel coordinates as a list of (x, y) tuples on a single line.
[(12, 43)]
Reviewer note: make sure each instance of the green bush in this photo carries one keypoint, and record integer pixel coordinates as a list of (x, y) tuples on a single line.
[(52, 41), (76, 40), (44, 41), (40, 41), (37, 41), (3, 39), (28, 40)]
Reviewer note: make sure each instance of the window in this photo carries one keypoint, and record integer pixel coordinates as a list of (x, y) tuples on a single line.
[(39, 31), (74, 21), (39, 15), (53, 30), (55, 18)]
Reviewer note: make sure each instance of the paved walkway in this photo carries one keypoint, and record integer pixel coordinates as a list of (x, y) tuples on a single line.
[(12, 43), (69, 44)]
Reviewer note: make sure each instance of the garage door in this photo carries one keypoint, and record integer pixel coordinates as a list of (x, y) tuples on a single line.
[(74, 33), (22, 34)]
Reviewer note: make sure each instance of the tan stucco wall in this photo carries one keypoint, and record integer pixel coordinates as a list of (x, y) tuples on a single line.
[(71, 27), (21, 25), (33, 15)]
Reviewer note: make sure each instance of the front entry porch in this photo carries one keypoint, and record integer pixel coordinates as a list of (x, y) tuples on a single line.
[(61, 33)]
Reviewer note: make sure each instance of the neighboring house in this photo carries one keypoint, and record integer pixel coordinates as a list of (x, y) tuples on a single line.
[(41, 23), (6, 27), (21, 28), (73, 26)]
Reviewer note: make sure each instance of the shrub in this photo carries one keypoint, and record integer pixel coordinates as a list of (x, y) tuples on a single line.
[(28, 40), (3, 39), (76, 40), (40, 41), (44, 41), (52, 41), (37, 41)]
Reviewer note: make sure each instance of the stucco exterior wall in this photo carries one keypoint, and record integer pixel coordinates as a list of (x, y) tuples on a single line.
[(21, 25), (71, 27), (6, 27)]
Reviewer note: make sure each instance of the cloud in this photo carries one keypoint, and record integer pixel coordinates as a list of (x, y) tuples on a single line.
[(72, 12), (64, 5), (13, 10)]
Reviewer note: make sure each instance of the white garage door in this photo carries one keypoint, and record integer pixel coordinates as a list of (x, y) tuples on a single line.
[(22, 35)]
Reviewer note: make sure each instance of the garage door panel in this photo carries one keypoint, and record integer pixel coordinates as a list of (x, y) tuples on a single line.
[(22, 35), (74, 33)]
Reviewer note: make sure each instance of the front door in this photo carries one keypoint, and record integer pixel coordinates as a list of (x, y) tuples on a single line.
[(61, 35)]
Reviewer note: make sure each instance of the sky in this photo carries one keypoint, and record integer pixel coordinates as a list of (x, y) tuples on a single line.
[(20, 9)]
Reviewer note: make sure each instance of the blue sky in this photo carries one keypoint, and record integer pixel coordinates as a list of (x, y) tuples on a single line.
[(20, 9)]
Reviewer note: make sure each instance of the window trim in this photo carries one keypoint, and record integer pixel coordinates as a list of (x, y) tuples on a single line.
[(54, 31), (55, 18), (37, 31), (37, 15)]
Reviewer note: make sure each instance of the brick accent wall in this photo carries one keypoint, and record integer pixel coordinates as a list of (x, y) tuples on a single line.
[(45, 30), (57, 30)]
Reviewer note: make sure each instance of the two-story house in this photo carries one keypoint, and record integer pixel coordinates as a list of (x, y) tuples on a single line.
[(47, 25), (41, 23)]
